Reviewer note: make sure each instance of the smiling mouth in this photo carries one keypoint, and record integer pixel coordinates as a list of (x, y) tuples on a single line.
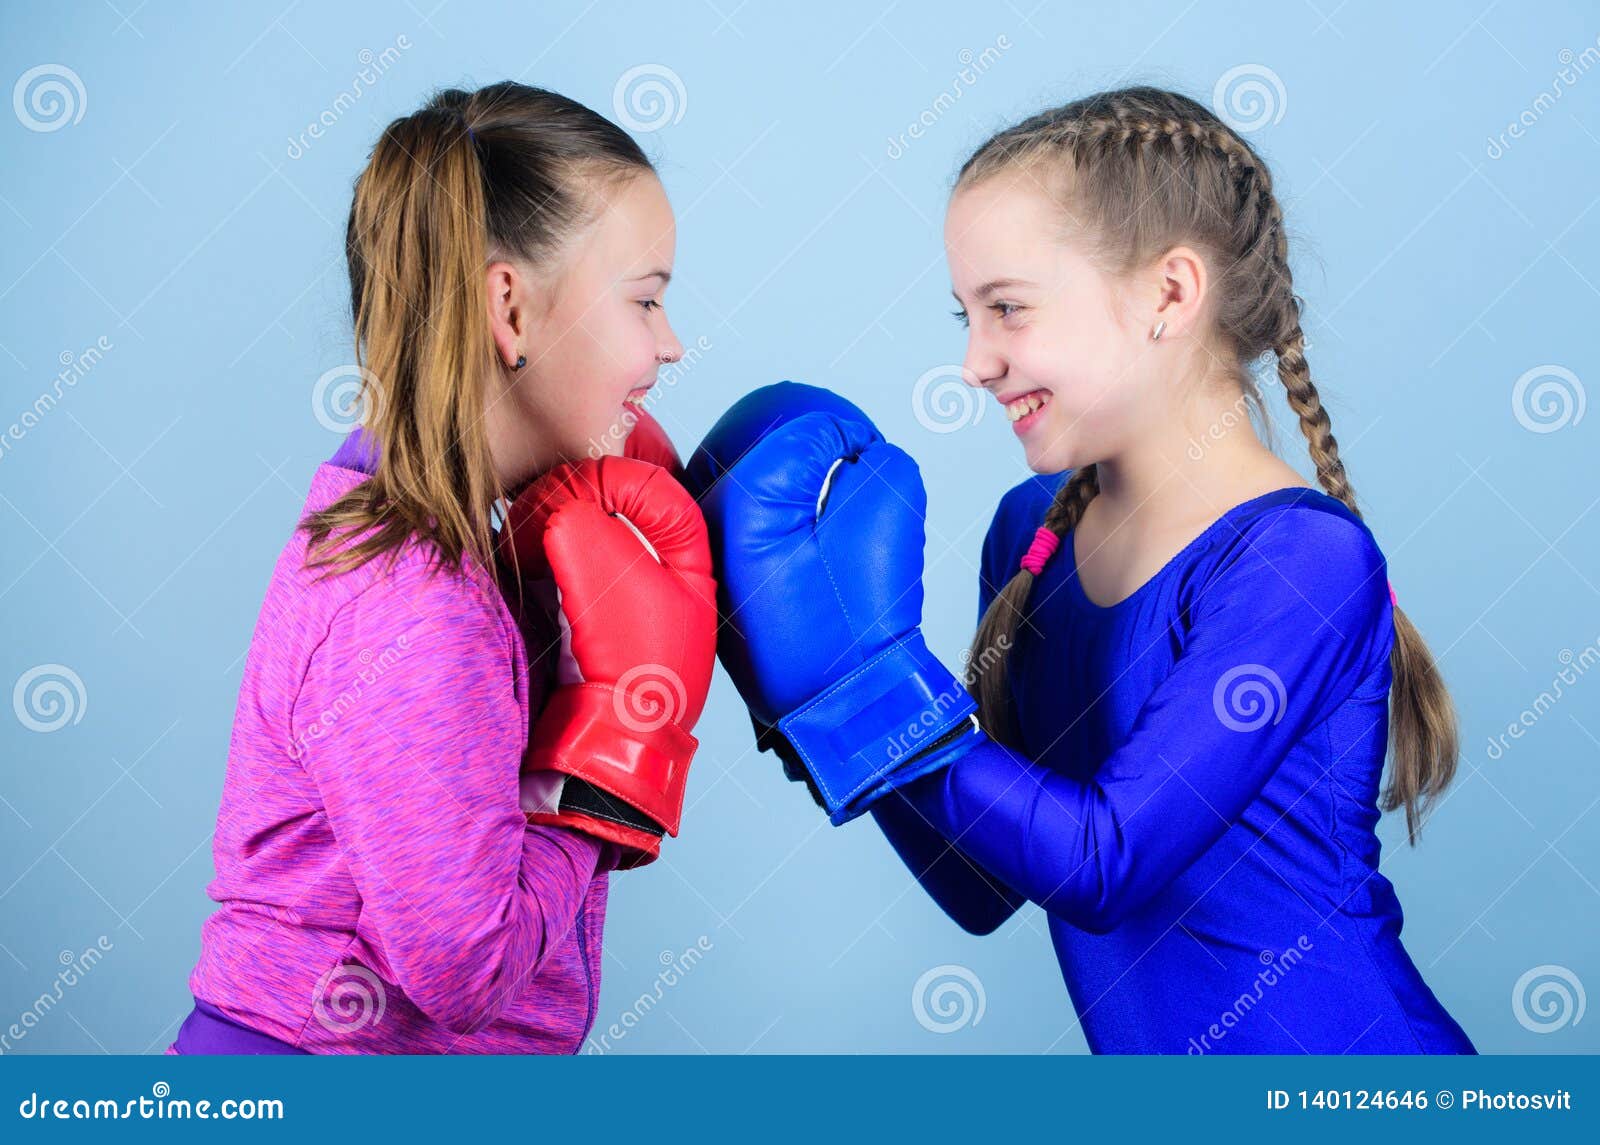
[(1020, 407)]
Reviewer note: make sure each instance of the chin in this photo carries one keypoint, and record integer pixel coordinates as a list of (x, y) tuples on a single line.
[(1055, 458), (609, 439), (1045, 466)]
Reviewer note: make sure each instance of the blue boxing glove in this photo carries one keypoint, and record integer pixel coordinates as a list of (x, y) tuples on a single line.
[(816, 529)]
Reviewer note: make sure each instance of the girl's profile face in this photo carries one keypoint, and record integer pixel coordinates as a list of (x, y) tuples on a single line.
[(1047, 334), (598, 332)]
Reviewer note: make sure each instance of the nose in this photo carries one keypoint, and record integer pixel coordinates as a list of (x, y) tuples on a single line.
[(669, 349), (983, 363)]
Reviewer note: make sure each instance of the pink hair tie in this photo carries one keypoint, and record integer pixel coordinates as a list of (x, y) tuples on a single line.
[(1042, 549), (1394, 601)]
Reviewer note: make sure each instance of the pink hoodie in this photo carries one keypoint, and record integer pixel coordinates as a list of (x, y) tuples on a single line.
[(381, 891)]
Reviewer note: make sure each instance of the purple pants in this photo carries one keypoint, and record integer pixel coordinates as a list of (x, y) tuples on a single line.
[(207, 1030)]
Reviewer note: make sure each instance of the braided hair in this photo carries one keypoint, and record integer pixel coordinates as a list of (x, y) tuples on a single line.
[(1191, 179)]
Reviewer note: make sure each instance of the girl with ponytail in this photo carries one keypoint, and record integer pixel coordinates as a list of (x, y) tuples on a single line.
[(400, 868), (1190, 663)]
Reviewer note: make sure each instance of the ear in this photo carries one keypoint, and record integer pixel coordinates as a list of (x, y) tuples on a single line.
[(1181, 282), (508, 291)]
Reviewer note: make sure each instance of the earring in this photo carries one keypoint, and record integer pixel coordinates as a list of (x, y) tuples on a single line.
[(1155, 335), (522, 360)]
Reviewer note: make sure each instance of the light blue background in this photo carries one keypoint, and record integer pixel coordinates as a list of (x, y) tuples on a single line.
[(143, 514)]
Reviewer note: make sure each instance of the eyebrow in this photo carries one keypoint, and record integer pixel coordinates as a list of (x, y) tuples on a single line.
[(989, 288), (664, 275)]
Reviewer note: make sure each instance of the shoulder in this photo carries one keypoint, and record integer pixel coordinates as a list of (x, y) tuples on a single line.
[(409, 581), (1302, 523), (450, 632), (408, 599), (1299, 546), (415, 590)]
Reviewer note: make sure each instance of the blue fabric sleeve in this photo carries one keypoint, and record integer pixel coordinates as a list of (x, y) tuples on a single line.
[(1292, 613), (974, 899)]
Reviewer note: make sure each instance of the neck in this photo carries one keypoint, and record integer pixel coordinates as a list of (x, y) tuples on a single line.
[(513, 445), (1190, 466)]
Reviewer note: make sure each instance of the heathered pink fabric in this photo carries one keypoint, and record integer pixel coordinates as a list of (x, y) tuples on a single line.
[(370, 843)]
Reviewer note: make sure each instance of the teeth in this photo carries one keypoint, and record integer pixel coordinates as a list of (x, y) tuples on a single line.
[(1023, 406), (634, 401)]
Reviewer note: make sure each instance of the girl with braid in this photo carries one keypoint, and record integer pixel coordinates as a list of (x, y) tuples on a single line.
[(1190, 664)]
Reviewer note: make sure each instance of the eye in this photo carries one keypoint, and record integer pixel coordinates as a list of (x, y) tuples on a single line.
[(648, 303), (960, 316), (1004, 309)]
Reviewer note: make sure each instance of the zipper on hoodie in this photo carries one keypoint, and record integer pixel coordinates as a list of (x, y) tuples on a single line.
[(583, 956)]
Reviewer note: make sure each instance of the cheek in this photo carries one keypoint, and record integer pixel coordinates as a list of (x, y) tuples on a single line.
[(1094, 396), (623, 354), (1077, 361), (604, 350)]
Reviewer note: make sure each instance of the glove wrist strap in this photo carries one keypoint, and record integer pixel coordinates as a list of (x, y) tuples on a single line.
[(588, 731), (872, 731), (627, 848)]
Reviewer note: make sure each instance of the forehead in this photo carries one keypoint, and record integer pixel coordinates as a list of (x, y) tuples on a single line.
[(1004, 220), (636, 224)]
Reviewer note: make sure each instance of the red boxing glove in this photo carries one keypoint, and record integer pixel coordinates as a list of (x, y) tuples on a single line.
[(647, 441), (626, 549)]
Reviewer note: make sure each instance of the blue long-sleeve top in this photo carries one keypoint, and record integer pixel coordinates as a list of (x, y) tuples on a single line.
[(1195, 799)]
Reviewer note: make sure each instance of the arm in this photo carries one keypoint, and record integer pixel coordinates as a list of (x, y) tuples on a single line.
[(974, 900), (413, 733), (1291, 618), (976, 903)]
